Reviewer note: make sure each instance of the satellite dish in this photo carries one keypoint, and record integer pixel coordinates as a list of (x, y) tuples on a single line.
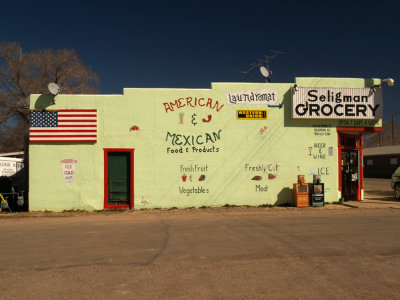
[(28, 100), (264, 71), (53, 88)]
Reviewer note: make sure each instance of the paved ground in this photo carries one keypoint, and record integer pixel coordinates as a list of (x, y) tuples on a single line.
[(378, 185), (227, 253), (378, 194)]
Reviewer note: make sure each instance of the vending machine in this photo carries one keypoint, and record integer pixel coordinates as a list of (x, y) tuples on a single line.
[(301, 192), (317, 195)]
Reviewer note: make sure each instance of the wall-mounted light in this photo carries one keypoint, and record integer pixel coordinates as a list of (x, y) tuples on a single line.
[(296, 88), (373, 89), (389, 81)]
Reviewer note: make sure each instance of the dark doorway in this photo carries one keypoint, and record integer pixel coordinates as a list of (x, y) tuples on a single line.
[(118, 181), (350, 166), (350, 174)]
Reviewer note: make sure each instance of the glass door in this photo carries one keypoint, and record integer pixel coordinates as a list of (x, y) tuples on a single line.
[(350, 174)]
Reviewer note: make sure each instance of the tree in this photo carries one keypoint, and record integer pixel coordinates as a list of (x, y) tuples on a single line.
[(25, 73)]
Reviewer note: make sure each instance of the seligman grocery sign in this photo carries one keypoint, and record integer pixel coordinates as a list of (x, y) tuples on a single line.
[(337, 103)]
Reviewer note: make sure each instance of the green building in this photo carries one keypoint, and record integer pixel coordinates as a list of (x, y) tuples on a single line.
[(236, 143)]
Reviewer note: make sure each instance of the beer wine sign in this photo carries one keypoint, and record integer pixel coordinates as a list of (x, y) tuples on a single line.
[(337, 103)]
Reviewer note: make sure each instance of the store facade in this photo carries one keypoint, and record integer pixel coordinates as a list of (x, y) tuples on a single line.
[(236, 143)]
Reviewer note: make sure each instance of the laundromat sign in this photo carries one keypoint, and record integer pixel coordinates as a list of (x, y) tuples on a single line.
[(337, 103)]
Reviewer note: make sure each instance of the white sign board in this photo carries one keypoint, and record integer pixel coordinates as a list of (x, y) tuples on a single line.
[(68, 167), (253, 97), (337, 103), (9, 166)]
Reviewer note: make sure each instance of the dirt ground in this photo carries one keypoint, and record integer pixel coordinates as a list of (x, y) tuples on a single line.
[(337, 251), (334, 252)]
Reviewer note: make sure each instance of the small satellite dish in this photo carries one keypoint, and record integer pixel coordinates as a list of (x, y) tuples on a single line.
[(53, 88), (28, 100), (264, 71)]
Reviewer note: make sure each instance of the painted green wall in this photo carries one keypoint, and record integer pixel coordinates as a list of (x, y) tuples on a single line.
[(282, 149)]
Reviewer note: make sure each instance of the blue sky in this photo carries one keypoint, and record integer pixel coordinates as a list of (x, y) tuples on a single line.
[(189, 44)]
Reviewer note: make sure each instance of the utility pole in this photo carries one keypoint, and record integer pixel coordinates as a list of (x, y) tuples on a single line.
[(379, 142), (393, 133), (393, 130)]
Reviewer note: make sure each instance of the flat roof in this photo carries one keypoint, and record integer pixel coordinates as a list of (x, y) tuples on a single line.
[(15, 159), (385, 150)]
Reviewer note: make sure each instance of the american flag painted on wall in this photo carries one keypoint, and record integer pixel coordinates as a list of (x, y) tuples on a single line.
[(63, 126)]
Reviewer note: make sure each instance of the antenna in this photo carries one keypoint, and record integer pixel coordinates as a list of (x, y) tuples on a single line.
[(54, 89), (264, 65)]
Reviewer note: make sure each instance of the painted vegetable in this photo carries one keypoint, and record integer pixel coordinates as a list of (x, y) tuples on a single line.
[(208, 119), (134, 128)]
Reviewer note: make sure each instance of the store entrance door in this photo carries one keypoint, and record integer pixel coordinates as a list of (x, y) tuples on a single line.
[(351, 168), (350, 174)]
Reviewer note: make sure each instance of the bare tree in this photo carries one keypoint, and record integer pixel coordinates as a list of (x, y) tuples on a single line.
[(389, 136), (25, 73)]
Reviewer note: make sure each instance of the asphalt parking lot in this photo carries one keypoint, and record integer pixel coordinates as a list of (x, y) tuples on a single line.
[(378, 193), (379, 188)]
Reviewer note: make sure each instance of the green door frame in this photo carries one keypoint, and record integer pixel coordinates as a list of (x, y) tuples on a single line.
[(131, 181)]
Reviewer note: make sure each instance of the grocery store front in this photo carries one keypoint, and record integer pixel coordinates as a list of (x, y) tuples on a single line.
[(356, 112), (235, 144)]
